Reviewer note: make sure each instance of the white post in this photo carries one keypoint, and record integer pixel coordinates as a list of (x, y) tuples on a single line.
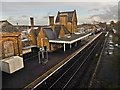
[(64, 47), (42, 47), (70, 46), (43, 54)]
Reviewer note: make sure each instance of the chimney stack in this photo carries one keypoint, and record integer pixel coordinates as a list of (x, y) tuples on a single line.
[(51, 22), (32, 22), (32, 36), (63, 19)]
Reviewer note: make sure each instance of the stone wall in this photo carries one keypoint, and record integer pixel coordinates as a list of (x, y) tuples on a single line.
[(11, 45)]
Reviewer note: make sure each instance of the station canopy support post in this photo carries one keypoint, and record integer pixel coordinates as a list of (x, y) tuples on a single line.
[(70, 46), (64, 47)]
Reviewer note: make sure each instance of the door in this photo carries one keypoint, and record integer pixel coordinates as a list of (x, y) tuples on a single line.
[(8, 48)]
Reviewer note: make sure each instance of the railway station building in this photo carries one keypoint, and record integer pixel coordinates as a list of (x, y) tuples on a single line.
[(63, 30)]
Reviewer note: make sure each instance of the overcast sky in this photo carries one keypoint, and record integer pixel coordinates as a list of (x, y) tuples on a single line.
[(20, 12)]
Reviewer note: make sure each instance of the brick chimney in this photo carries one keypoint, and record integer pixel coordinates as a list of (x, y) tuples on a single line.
[(32, 22), (63, 19), (51, 22), (32, 36)]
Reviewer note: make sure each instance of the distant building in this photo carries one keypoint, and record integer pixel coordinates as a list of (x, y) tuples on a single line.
[(6, 26)]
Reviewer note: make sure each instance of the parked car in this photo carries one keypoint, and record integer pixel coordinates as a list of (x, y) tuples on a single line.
[(110, 47), (109, 52), (110, 42), (110, 36)]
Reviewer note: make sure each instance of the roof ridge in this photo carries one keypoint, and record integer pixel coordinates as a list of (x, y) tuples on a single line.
[(66, 11), (3, 20)]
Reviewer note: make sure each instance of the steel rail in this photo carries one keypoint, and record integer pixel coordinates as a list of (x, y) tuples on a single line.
[(34, 86), (74, 64), (80, 66)]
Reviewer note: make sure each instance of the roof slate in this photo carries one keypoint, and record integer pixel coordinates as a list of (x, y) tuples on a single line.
[(49, 33), (66, 30), (73, 37), (58, 28), (69, 13)]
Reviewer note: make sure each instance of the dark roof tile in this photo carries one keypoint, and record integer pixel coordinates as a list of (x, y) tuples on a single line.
[(69, 13), (49, 33), (58, 28)]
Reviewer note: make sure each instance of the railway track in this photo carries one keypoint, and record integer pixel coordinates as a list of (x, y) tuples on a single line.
[(63, 77)]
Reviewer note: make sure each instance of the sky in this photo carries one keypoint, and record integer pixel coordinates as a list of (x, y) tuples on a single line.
[(87, 11)]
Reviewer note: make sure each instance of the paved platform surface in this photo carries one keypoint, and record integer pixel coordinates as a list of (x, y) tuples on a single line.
[(108, 72), (33, 69)]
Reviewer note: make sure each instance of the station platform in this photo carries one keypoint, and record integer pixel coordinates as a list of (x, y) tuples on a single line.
[(33, 70)]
